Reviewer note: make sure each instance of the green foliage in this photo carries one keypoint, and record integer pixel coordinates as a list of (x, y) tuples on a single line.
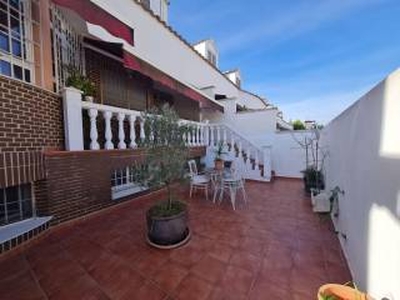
[(298, 125), (313, 179), (219, 151), (166, 151), (79, 81)]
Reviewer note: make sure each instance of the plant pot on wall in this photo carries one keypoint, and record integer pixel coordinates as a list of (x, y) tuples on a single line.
[(219, 164)]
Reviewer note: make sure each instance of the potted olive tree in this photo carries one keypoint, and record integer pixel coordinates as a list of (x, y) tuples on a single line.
[(164, 166)]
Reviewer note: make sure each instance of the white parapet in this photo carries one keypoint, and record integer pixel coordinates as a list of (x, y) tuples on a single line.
[(73, 125)]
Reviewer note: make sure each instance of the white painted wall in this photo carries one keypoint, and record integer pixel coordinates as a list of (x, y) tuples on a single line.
[(160, 47), (364, 161), (251, 101), (288, 157)]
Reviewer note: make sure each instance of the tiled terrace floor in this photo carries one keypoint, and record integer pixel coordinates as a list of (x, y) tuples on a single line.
[(275, 248)]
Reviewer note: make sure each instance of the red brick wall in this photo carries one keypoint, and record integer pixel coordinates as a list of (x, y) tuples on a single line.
[(30, 122), (80, 182)]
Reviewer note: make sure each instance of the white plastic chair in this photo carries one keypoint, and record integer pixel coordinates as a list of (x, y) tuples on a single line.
[(233, 182), (197, 181)]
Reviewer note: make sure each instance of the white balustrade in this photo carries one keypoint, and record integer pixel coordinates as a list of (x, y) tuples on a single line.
[(224, 137), (94, 145), (121, 131), (142, 133), (132, 136), (108, 133), (212, 142), (198, 128)]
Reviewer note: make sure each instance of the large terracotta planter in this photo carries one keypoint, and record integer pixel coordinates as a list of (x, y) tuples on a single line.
[(167, 232), (341, 292), (219, 164)]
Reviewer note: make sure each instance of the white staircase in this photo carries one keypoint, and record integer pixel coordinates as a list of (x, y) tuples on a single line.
[(254, 162)]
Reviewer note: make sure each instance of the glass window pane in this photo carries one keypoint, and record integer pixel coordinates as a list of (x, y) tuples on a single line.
[(15, 26), (17, 72), (4, 42), (26, 192), (14, 3), (2, 208), (12, 194), (16, 48), (5, 68), (3, 18), (13, 211), (27, 209), (27, 75)]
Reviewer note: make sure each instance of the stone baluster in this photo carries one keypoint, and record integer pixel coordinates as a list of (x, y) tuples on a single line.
[(121, 132), (189, 137), (218, 134), (212, 136), (94, 145), (240, 154), (132, 136), (224, 137), (256, 161), (108, 133), (142, 134), (199, 142), (248, 159)]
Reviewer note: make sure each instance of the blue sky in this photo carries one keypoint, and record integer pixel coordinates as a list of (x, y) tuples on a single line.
[(311, 58)]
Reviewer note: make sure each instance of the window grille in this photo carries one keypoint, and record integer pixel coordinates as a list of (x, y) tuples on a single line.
[(15, 204), (66, 49)]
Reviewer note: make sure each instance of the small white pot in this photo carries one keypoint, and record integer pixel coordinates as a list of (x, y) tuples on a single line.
[(89, 98)]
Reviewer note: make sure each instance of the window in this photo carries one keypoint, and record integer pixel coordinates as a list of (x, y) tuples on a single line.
[(20, 39), (15, 204), (124, 182)]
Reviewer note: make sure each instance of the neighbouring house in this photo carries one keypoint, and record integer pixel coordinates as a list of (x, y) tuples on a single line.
[(51, 166)]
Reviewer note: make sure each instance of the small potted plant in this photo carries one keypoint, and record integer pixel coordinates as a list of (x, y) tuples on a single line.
[(79, 81), (313, 179), (89, 90), (164, 166), (219, 152)]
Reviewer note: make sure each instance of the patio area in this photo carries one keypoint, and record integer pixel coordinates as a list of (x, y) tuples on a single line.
[(274, 248)]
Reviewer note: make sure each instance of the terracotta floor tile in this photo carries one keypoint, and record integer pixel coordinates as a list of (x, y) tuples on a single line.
[(264, 290), (115, 277), (83, 287), (187, 255), (193, 288), (149, 262), (209, 268), (225, 294), (237, 280), (22, 286), (246, 261), (169, 276), (221, 251), (147, 291)]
